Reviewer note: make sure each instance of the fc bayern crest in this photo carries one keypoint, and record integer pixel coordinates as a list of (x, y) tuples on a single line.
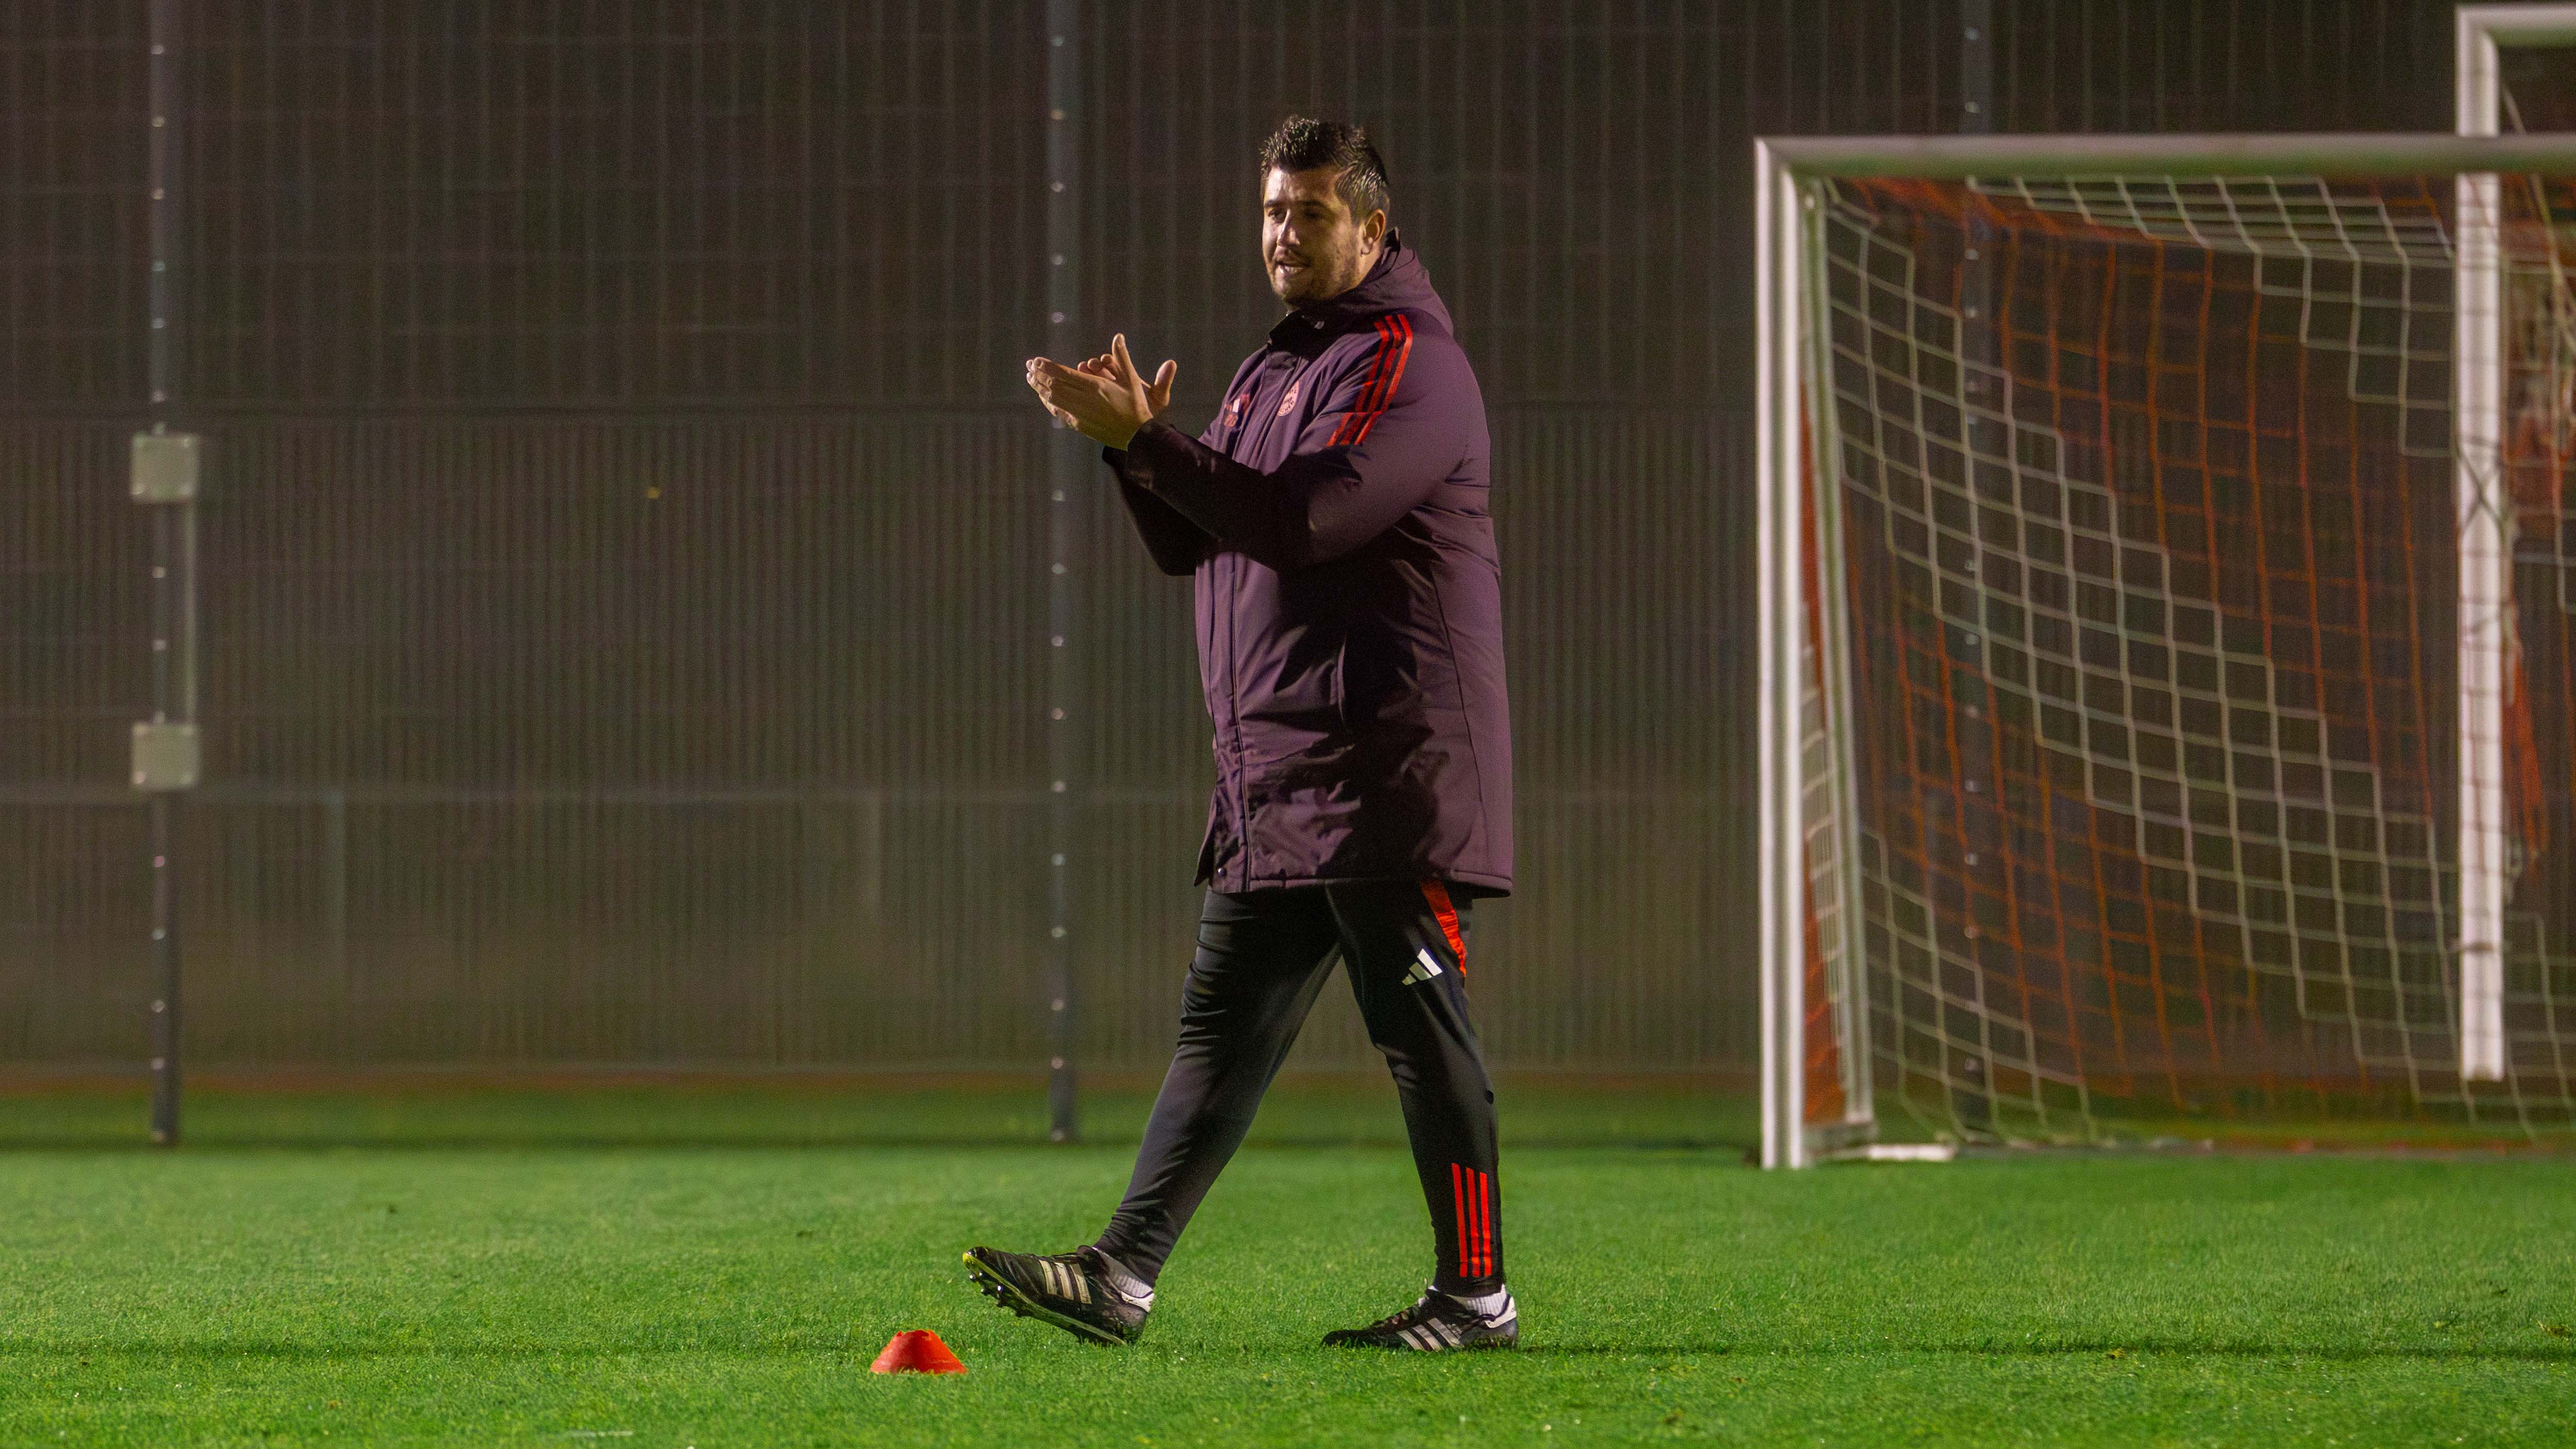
[(1287, 400)]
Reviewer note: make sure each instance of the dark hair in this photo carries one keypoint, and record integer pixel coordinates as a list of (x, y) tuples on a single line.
[(1302, 143)]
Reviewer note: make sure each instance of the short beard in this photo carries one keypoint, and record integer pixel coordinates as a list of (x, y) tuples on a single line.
[(1313, 298)]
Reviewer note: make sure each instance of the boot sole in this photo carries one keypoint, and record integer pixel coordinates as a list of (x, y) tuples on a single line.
[(1010, 1296), (1399, 1346)]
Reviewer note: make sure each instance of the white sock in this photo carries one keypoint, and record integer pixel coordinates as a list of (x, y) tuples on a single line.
[(1130, 1287), (1486, 1304)]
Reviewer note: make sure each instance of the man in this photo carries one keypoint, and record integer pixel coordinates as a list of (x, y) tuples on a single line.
[(1350, 644)]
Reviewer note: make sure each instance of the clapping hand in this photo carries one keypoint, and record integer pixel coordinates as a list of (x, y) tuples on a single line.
[(1104, 397)]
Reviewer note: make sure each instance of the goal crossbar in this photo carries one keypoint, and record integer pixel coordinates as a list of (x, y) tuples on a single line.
[(1787, 370), (2355, 154)]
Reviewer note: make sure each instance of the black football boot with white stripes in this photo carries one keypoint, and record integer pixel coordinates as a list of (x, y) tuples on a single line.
[(1438, 1324), (1080, 1292)]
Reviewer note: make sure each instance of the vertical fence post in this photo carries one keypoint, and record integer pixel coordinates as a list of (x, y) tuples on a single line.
[(872, 863), (335, 888), (164, 478), (1068, 462), (243, 873), (1971, 1086), (823, 907)]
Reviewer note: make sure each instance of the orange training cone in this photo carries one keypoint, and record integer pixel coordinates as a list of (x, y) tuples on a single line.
[(916, 1351)]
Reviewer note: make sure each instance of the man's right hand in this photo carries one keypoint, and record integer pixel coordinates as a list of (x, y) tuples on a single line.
[(1158, 392), (1105, 398)]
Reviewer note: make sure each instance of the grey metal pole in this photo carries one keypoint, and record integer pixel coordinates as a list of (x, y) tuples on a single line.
[(335, 889), (165, 479), (1970, 1099), (1068, 463)]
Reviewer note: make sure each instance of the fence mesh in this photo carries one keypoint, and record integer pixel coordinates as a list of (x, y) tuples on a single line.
[(625, 568)]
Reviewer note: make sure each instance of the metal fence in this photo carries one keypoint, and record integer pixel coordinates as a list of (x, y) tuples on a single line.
[(626, 611)]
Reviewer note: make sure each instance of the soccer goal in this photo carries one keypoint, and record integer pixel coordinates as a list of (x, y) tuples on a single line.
[(2168, 656)]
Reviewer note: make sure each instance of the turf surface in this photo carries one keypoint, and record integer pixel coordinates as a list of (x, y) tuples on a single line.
[(588, 1268)]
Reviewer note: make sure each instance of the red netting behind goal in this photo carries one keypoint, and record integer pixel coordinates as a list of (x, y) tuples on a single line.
[(2148, 547)]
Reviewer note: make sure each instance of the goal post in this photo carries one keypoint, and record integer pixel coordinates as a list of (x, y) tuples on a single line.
[(2485, 588), (2107, 667)]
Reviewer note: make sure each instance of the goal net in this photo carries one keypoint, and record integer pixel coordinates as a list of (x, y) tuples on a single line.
[(2182, 720)]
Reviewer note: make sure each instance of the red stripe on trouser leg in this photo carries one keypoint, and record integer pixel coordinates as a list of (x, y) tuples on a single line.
[(1467, 1267), (1458, 1215), (1436, 892), (1476, 1216), (1484, 1225), (1476, 1208), (1474, 1226)]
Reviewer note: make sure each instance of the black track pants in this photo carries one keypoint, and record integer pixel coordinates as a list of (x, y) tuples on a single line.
[(1262, 957)]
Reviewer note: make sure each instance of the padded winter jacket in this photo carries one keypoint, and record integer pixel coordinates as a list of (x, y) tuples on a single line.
[(1349, 598)]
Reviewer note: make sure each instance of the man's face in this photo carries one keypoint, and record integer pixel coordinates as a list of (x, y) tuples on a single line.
[(1311, 246)]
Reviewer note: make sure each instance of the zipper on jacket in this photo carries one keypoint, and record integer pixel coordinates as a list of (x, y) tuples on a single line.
[(1296, 371), (1233, 573)]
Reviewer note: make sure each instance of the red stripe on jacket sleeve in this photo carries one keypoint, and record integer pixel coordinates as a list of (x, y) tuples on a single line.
[(1373, 398), (1376, 369), (1387, 369), (1394, 378), (1378, 356)]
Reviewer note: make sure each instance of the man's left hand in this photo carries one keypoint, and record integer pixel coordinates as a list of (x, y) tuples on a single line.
[(1106, 398)]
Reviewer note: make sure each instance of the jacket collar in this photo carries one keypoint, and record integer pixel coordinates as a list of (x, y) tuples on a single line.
[(1397, 283)]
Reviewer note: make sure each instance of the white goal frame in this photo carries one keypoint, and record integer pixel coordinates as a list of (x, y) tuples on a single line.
[(1788, 366), (2485, 563)]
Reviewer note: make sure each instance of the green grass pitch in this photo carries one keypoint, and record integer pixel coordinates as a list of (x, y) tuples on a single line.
[(672, 1268)]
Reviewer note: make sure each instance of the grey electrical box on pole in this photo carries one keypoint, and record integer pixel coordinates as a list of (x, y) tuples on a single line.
[(165, 468), (165, 757)]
